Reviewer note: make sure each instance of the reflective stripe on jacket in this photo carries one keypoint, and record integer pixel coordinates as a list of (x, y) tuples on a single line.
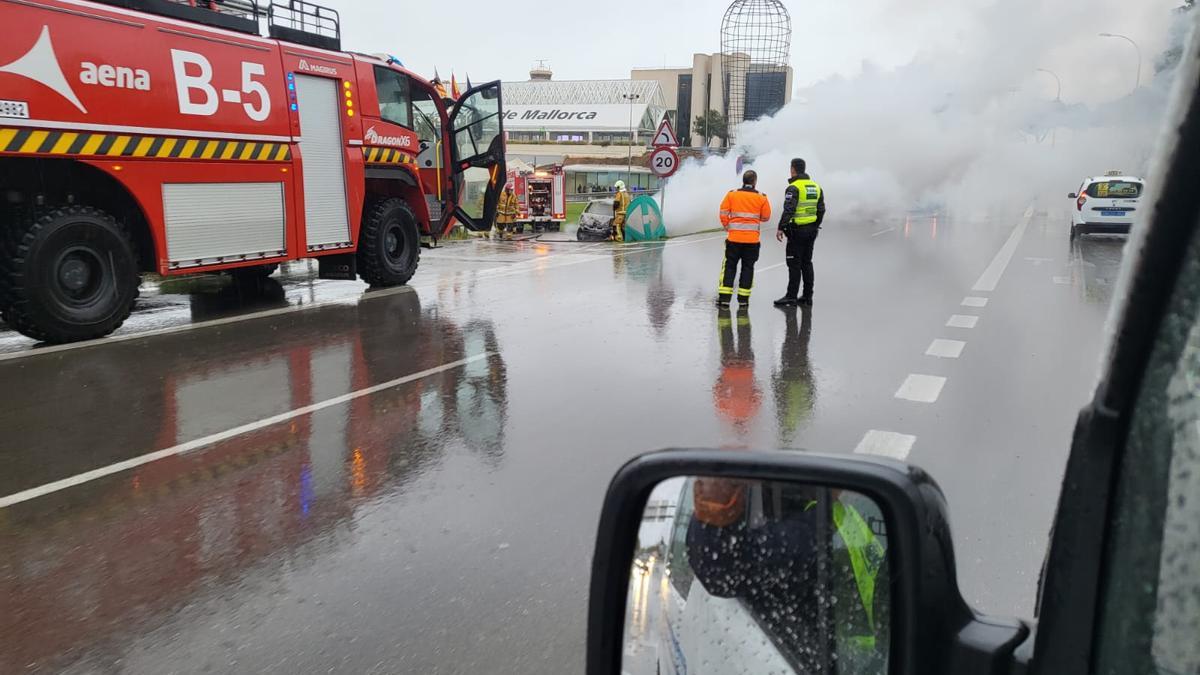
[(806, 203), (621, 203), (742, 214)]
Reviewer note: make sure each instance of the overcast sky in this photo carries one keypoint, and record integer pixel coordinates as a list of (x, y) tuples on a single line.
[(490, 39)]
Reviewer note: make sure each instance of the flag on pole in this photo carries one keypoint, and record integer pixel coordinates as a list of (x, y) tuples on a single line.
[(454, 86), (437, 84), (469, 81)]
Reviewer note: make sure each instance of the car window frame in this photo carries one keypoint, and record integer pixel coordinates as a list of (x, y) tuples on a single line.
[(1068, 608)]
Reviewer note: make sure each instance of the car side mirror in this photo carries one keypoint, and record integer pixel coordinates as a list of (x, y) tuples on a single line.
[(781, 562), (1073, 195)]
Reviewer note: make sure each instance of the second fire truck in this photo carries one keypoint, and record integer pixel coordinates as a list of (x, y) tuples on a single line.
[(171, 137)]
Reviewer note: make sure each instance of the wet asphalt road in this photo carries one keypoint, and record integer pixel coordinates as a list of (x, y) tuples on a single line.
[(409, 480)]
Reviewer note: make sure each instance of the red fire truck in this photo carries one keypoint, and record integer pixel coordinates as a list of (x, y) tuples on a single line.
[(170, 136), (541, 196)]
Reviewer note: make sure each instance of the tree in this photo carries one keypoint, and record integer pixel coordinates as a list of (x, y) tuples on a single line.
[(711, 125)]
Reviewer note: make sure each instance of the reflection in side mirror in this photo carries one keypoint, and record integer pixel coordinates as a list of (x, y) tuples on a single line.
[(750, 576), (1073, 195)]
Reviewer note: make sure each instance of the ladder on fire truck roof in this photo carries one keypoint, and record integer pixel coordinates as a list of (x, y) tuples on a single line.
[(295, 21)]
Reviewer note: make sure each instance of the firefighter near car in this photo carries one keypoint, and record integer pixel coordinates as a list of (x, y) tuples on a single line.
[(150, 136)]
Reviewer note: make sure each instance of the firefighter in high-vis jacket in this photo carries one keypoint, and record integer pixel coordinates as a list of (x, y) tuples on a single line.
[(506, 212), (620, 209), (743, 211)]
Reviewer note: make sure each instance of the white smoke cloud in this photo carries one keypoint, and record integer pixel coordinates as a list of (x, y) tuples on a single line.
[(969, 125)]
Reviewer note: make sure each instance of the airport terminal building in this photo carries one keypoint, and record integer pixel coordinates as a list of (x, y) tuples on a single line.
[(584, 112)]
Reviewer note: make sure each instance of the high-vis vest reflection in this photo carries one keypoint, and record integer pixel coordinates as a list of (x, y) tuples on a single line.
[(806, 204)]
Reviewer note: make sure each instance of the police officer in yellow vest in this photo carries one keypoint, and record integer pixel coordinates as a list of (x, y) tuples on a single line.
[(803, 212)]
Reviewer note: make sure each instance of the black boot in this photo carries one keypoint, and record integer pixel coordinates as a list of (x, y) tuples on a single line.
[(785, 301)]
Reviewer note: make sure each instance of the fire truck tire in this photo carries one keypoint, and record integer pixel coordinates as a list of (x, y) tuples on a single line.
[(69, 273), (389, 246)]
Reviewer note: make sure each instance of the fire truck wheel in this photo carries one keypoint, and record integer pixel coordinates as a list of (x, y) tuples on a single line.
[(389, 244), (70, 274)]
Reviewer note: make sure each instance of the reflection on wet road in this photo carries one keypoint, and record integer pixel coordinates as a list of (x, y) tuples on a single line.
[(304, 475)]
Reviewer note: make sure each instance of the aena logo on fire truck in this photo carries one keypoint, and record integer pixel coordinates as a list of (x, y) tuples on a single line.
[(374, 138), (120, 77)]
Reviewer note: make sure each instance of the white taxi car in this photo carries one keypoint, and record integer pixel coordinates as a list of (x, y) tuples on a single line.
[(1106, 205)]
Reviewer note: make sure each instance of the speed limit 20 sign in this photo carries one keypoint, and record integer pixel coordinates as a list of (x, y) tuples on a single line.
[(664, 162)]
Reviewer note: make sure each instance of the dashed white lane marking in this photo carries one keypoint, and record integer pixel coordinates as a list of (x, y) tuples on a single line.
[(532, 265), (973, 301), (962, 321), (991, 276), (883, 232), (921, 388), (1062, 281), (886, 444), (88, 476), (945, 349)]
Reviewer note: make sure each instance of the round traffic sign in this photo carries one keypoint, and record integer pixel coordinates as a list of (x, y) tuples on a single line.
[(664, 162)]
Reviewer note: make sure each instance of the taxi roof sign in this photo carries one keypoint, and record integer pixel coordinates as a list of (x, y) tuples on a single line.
[(1114, 173), (665, 136)]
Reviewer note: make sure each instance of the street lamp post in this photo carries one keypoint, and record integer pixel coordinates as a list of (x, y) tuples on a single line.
[(1057, 99), (629, 167), (1138, 81), (1051, 73)]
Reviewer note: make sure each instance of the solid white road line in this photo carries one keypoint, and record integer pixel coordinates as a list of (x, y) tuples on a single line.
[(1061, 281), (962, 321), (883, 232), (87, 476), (921, 388), (771, 267), (945, 349), (972, 301), (991, 276), (886, 444)]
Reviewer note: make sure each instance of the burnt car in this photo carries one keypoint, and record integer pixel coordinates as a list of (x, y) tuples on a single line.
[(596, 221)]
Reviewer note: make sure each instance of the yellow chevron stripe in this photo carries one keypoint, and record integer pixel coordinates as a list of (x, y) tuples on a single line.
[(35, 139), (64, 143), (192, 148), (118, 146), (143, 147), (92, 144)]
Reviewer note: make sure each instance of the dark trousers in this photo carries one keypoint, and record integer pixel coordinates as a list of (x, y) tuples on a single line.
[(745, 255), (800, 242)]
